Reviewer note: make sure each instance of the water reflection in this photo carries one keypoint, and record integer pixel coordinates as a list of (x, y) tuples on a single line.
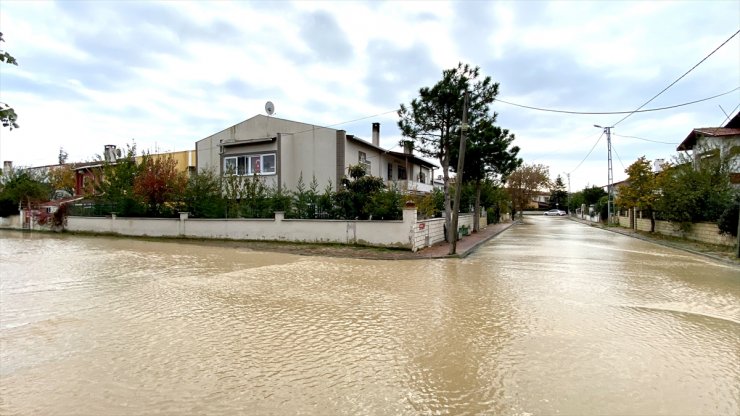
[(551, 317)]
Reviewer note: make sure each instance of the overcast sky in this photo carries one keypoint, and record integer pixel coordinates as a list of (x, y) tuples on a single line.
[(167, 74)]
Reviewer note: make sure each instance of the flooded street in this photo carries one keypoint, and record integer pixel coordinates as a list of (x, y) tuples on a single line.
[(550, 317)]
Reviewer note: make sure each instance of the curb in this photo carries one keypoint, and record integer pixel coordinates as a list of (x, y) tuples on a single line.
[(660, 243), (471, 249), (475, 246)]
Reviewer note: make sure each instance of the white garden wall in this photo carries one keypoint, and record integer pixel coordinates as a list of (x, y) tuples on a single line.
[(407, 233)]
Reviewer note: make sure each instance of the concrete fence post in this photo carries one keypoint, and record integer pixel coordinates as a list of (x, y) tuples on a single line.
[(181, 225), (409, 223)]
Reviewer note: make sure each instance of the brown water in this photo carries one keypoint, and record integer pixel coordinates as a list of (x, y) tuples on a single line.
[(551, 317)]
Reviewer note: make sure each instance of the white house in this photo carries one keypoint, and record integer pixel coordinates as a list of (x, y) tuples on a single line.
[(280, 151), (717, 141)]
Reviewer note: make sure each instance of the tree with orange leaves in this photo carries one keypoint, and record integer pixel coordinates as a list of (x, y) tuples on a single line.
[(160, 185)]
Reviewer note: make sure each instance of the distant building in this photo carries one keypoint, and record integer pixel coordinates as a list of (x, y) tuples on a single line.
[(540, 200), (87, 173)]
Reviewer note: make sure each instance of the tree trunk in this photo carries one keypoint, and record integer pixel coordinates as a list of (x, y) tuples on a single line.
[(652, 221), (476, 211), (448, 208)]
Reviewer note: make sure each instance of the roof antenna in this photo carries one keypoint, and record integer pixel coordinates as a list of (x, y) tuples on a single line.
[(723, 110)]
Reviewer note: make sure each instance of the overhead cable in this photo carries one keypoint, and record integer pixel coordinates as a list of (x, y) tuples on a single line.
[(347, 122), (589, 152), (618, 158), (640, 138), (678, 79), (551, 110)]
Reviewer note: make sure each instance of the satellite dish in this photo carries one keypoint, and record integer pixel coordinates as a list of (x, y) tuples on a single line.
[(269, 108)]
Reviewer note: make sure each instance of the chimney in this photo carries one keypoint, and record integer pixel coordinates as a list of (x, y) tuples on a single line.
[(7, 166), (109, 154), (376, 134), (658, 165), (408, 147)]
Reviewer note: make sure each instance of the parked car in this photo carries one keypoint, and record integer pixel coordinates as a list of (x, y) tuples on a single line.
[(556, 212)]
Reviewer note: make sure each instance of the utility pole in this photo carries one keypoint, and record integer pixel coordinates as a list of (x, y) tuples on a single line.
[(610, 181), (459, 176), (568, 192)]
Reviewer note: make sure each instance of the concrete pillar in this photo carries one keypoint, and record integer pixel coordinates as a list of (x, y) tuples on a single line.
[(409, 223), (112, 221), (181, 224)]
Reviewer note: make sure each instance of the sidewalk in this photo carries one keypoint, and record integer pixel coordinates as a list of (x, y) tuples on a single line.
[(718, 253), (466, 245)]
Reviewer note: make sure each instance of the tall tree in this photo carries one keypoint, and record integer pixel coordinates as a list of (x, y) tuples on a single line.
[(21, 187), (489, 155), (558, 194), (62, 177), (116, 185), (593, 194), (8, 117), (525, 181), (694, 192), (204, 197), (641, 191), (160, 184), (432, 122)]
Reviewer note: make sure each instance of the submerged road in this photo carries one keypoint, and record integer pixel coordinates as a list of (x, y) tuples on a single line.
[(550, 317)]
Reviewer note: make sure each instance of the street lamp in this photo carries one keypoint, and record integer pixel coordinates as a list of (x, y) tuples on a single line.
[(610, 184)]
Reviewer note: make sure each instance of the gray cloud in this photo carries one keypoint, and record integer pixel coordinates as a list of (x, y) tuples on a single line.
[(473, 22), (396, 73), (325, 38), (120, 37), (133, 33), (51, 90), (425, 17)]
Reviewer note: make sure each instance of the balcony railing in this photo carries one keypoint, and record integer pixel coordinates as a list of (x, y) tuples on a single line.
[(411, 186)]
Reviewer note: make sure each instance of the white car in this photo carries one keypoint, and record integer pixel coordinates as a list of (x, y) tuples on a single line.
[(555, 212)]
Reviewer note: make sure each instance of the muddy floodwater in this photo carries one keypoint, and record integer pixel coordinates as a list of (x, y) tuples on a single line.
[(550, 317)]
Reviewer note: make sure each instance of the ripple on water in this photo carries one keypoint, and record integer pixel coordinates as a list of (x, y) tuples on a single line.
[(147, 327)]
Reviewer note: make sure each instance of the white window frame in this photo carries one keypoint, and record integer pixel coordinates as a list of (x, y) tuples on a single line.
[(247, 160)]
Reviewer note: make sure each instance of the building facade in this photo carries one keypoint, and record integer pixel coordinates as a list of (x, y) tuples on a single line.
[(281, 152)]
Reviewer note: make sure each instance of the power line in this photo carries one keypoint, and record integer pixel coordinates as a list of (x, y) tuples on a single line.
[(730, 115), (347, 122), (589, 152), (640, 138), (618, 158), (552, 110), (679, 78)]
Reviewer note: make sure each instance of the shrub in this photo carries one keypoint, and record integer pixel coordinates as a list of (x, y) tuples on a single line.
[(728, 221)]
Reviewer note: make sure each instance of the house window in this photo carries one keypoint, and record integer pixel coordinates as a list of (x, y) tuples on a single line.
[(268, 164), (242, 170), (230, 165), (362, 160), (390, 171), (250, 165), (401, 173)]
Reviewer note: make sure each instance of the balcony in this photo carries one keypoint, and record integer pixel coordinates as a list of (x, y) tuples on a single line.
[(411, 186)]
